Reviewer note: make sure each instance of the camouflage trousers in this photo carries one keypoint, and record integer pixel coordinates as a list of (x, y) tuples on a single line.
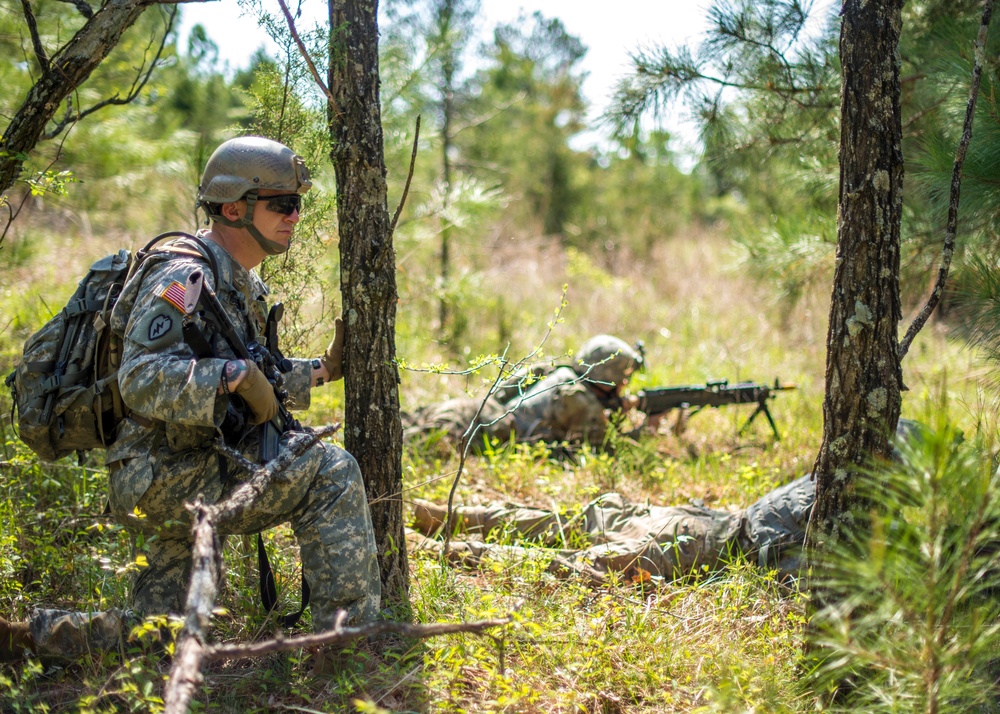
[(321, 494), (665, 541)]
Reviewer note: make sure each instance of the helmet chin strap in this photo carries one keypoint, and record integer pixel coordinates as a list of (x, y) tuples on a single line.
[(268, 246)]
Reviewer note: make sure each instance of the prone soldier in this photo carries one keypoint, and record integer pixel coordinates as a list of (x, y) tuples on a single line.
[(566, 403)]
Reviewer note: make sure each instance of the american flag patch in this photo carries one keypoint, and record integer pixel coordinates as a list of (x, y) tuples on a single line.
[(174, 294)]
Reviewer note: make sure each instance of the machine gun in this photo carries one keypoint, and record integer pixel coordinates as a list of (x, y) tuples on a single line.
[(715, 393)]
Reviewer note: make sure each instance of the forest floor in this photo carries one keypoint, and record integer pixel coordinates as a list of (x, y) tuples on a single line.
[(721, 641)]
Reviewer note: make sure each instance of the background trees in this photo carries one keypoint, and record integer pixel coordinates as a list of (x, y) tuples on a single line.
[(49, 103)]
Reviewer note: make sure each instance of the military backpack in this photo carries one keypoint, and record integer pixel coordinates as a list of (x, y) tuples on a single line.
[(65, 390)]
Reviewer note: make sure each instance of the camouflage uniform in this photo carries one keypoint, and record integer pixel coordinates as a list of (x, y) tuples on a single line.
[(562, 404), (156, 468), (561, 407), (665, 541), (67, 635), (453, 417), (163, 458)]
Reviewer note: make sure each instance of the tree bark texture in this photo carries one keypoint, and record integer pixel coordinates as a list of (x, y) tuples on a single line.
[(863, 375), (68, 68), (445, 14), (373, 432)]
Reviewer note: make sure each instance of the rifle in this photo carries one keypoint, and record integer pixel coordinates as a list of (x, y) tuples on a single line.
[(714, 393), (272, 365)]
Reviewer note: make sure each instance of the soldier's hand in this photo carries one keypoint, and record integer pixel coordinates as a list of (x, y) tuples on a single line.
[(258, 393), (334, 357)]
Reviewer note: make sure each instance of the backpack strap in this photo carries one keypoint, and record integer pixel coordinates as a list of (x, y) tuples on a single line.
[(203, 251)]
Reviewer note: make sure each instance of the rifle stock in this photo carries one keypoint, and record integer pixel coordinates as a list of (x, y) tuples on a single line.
[(714, 394)]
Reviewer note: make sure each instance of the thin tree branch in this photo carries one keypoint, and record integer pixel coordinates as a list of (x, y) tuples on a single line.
[(69, 67), (769, 49), (694, 75), (137, 85), (951, 228), (67, 119), (5, 203), (308, 59), (409, 178), (5, 198), (86, 10), (36, 40), (185, 672), (467, 437), (475, 426), (341, 633)]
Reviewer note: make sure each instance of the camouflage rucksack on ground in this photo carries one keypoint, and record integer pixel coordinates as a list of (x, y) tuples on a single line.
[(65, 388)]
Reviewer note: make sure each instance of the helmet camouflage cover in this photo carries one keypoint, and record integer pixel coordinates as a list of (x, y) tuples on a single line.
[(250, 163), (239, 168), (606, 359)]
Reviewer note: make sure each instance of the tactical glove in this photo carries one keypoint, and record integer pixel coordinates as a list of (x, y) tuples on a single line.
[(258, 393), (333, 360)]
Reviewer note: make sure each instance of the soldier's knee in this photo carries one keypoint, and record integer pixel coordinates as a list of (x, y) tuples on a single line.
[(339, 461), (340, 470)]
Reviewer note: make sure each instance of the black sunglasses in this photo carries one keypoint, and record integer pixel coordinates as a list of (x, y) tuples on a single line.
[(285, 204)]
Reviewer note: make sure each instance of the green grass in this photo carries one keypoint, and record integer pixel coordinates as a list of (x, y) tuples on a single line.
[(725, 641)]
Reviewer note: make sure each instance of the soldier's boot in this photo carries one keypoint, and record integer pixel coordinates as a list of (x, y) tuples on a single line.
[(428, 517), (15, 639)]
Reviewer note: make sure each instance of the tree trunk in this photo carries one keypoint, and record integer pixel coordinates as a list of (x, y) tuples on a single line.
[(863, 376), (447, 109), (373, 432)]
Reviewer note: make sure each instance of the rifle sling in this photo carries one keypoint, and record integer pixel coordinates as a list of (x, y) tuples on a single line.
[(268, 591)]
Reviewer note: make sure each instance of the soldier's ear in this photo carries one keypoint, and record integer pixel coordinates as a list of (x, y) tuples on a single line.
[(231, 211)]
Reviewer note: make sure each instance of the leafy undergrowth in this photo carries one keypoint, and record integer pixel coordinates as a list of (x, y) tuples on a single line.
[(722, 641), (724, 637), (726, 641)]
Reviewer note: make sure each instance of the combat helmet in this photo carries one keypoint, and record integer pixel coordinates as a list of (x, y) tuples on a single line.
[(239, 168), (606, 359)]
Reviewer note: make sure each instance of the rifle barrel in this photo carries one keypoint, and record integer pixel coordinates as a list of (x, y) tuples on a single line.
[(711, 394)]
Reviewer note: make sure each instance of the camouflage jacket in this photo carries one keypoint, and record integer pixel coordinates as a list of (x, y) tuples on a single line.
[(560, 407), (174, 394)]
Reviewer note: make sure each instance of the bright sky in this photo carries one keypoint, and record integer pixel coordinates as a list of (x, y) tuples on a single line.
[(609, 31)]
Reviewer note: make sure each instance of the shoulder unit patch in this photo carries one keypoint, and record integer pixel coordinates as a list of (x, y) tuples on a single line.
[(159, 326)]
